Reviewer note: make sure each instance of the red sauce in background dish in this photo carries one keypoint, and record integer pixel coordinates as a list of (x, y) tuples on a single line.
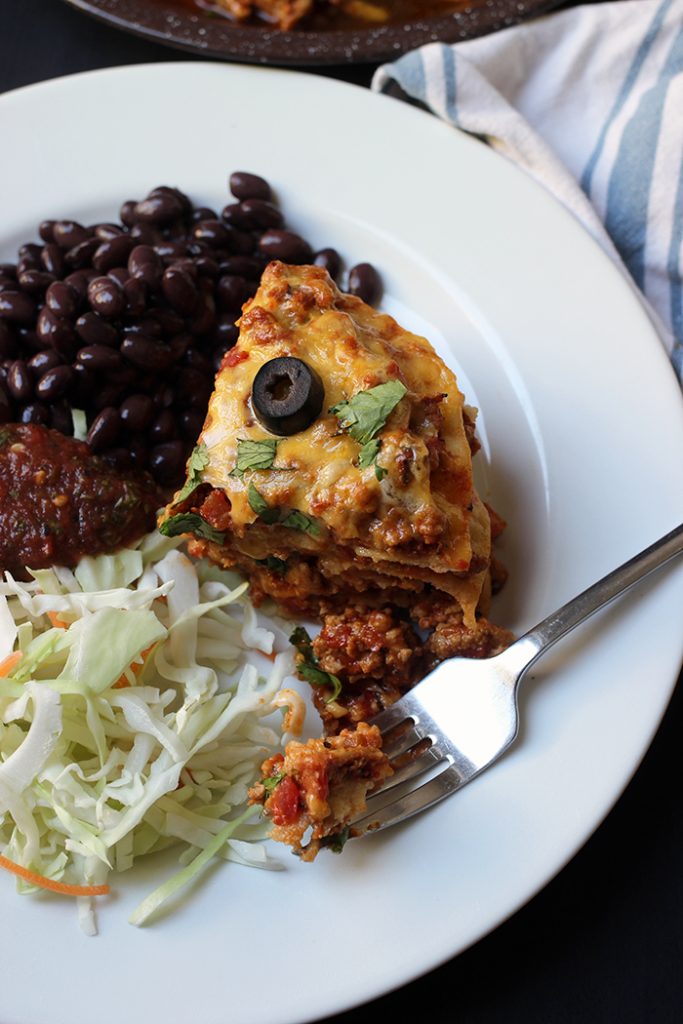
[(330, 17), (58, 501)]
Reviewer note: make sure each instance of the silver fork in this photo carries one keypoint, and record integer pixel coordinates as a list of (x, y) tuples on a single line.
[(461, 717)]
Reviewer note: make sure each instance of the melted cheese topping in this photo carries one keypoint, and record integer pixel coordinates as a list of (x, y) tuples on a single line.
[(417, 514)]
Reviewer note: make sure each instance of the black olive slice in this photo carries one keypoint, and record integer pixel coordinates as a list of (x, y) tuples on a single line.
[(287, 395)]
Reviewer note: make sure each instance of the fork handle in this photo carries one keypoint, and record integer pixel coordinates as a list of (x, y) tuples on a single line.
[(531, 645)]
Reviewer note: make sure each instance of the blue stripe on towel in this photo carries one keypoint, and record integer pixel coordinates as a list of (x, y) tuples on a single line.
[(448, 58), (624, 92), (631, 178)]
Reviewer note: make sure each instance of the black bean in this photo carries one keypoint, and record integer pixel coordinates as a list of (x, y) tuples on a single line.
[(61, 418), (145, 264), (29, 340), (164, 398), (100, 358), (136, 296), (234, 215), (35, 282), (163, 428), (365, 282), (91, 329), (188, 265), (225, 333), (46, 230), (52, 259), (244, 185), (8, 341), (242, 266), (120, 275), (111, 395), (203, 213), (180, 290), (6, 410), (120, 458), (80, 256), (62, 298), (185, 201), (148, 325), (207, 267), (159, 210), (35, 412), (330, 260), (169, 322), (107, 231), (191, 423), (213, 233), (166, 461), (262, 213), (30, 252), (232, 292), (106, 297), (112, 253), (127, 213), (19, 382), (17, 307), (145, 234), (104, 429), (68, 233), (57, 332), (26, 264), (139, 452), (79, 282), (146, 353), (9, 270), (180, 345), (83, 386), (285, 246), (204, 320), (43, 361), (55, 383), (170, 251), (193, 388), (241, 242), (198, 361), (137, 412)]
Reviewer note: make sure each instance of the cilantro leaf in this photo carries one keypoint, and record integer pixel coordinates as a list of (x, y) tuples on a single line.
[(367, 456), (338, 841), (190, 522), (259, 505), (308, 668), (272, 781), (199, 460), (364, 415), (273, 563), (296, 520), (254, 455)]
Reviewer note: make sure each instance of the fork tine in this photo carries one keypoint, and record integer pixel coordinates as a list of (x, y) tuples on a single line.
[(419, 799), (400, 739), (393, 715), (424, 760)]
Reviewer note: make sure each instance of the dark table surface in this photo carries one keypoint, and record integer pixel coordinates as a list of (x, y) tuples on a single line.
[(601, 943)]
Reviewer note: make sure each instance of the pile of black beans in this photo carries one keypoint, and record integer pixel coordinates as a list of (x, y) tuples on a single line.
[(129, 321)]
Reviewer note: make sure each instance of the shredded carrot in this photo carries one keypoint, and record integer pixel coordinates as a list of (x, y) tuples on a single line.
[(136, 668), (48, 883), (56, 621), (10, 662), (270, 657)]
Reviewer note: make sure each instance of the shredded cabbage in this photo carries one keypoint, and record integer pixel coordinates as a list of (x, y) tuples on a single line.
[(134, 719)]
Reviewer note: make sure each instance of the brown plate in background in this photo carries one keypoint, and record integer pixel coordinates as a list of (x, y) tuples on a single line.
[(176, 24)]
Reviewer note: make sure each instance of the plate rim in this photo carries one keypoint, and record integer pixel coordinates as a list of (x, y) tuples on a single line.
[(662, 709)]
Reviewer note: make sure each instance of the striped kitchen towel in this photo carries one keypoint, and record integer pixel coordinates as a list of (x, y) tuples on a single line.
[(589, 101)]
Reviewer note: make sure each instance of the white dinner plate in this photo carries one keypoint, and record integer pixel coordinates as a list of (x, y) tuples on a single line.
[(583, 433)]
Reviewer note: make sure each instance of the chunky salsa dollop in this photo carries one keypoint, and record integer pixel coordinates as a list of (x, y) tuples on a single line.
[(59, 502)]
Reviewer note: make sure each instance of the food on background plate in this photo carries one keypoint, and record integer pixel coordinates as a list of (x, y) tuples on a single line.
[(321, 14), (335, 470)]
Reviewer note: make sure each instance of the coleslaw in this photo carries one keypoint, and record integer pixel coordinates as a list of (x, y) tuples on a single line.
[(132, 718)]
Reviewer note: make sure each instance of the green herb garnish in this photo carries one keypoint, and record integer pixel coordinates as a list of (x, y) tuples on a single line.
[(190, 522), (296, 520), (272, 781), (254, 455), (338, 841), (198, 460), (367, 456), (309, 668), (364, 415), (259, 505)]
